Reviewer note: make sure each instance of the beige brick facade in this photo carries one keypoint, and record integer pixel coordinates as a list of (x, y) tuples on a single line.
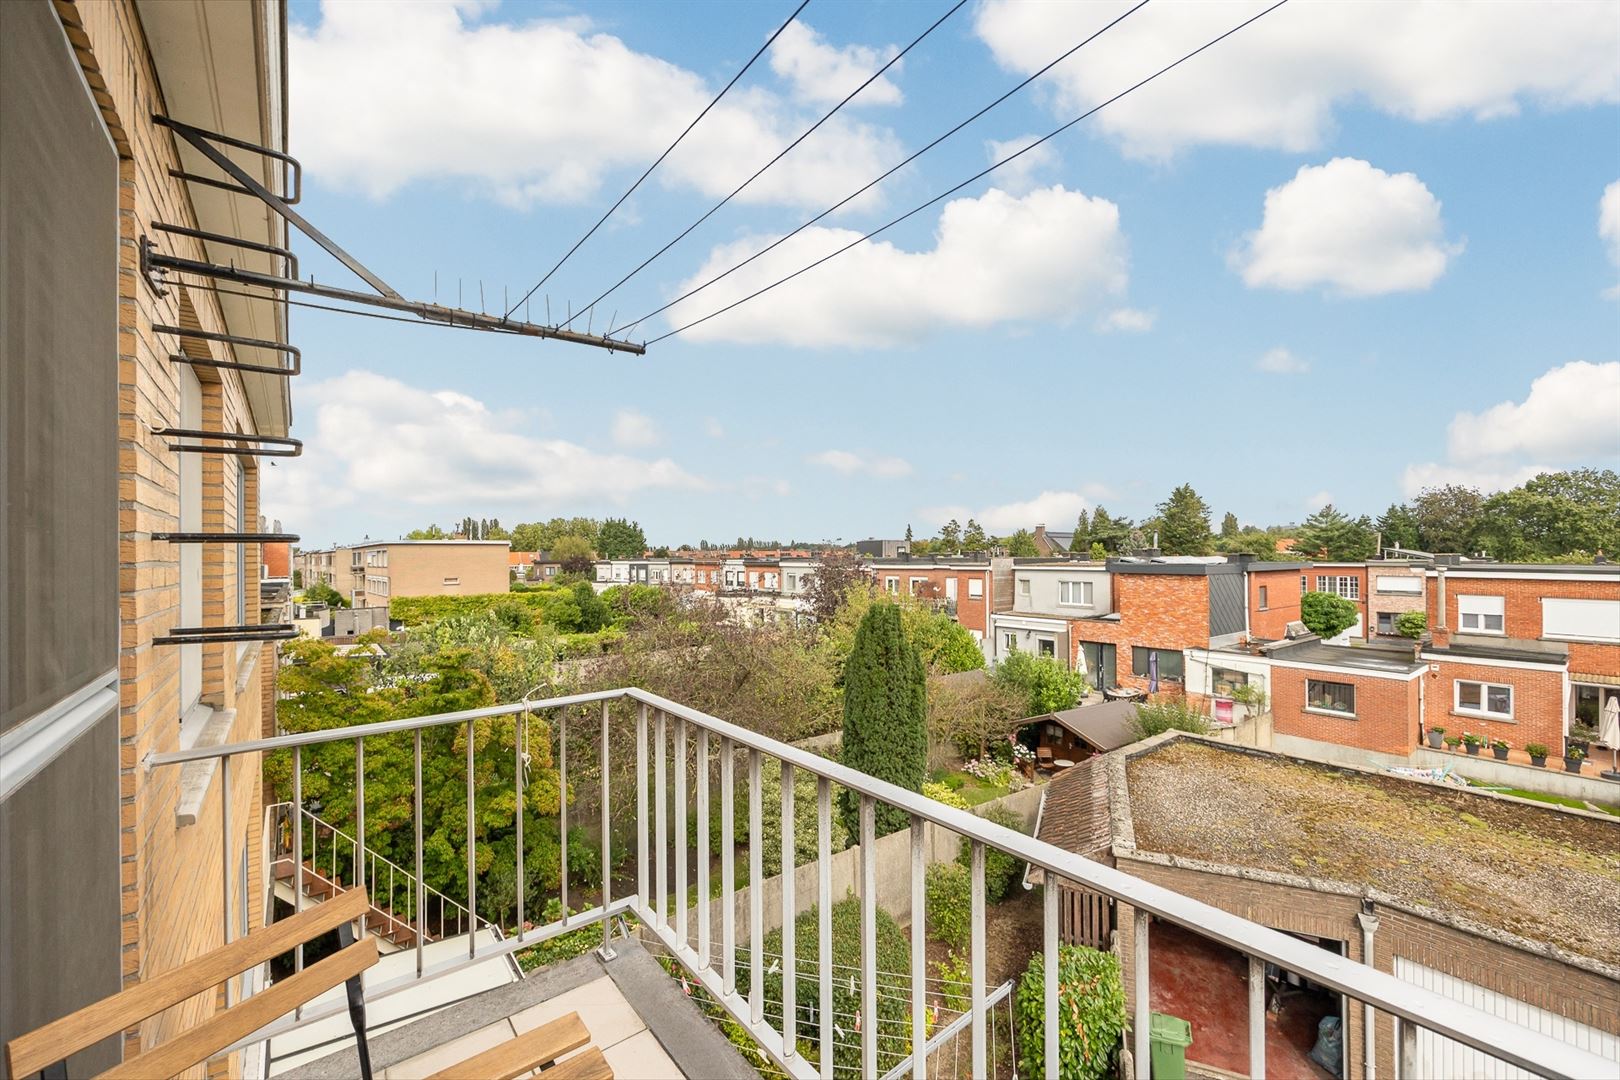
[(373, 574)]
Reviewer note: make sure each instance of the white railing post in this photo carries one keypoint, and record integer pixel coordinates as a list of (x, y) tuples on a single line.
[(728, 866), (1406, 1049), (1052, 893), (520, 739), (680, 832), (298, 849), (869, 1002), (1144, 1003), (641, 807), (919, 950), (1257, 1017), (421, 895), (360, 826), (756, 898), (790, 972), (660, 824), (979, 1056), (562, 806), (824, 948), (472, 850), (701, 776), (607, 844)]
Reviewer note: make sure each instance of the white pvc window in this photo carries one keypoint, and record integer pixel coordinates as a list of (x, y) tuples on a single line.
[(1480, 614), (1484, 699), (1584, 620), (1075, 593), (1333, 698), (892, 585), (1023, 587), (1345, 585), (975, 589)]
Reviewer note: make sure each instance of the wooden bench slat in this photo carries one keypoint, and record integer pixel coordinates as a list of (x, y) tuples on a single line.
[(588, 1065), (243, 1019), (530, 1050), (28, 1054)]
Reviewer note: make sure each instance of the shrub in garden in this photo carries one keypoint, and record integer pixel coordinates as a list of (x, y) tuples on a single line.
[(1411, 624), (1002, 871), (1325, 614), (885, 714), (949, 904), (894, 984), (1167, 714), (1091, 1013), (944, 793)]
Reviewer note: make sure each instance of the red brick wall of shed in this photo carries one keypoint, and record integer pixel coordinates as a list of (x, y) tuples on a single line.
[(1386, 711), (1538, 704), (1547, 984)]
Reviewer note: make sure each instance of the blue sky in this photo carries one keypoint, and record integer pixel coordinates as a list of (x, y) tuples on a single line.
[(1350, 251)]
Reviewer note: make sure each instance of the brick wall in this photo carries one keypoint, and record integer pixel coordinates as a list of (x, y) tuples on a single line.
[(1519, 973), (1282, 602), (1538, 704), (1386, 710), (171, 875), (1158, 611), (1522, 612), (421, 569)]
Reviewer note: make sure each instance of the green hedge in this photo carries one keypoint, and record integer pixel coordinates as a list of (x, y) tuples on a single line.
[(949, 903), (416, 610), (1091, 1011)]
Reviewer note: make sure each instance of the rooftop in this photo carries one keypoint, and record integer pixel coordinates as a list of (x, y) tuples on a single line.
[(1483, 857), (1388, 658)]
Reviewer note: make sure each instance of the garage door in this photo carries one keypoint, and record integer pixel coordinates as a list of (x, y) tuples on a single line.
[(1440, 1056)]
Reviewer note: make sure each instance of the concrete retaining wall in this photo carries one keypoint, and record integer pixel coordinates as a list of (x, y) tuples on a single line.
[(893, 862), (1552, 780)]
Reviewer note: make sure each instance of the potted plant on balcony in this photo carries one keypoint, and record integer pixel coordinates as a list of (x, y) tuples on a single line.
[(1452, 742), (1580, 737), (1538, 754), (1574, 756), (1472, 743), (1436, 734), (1499, 749)]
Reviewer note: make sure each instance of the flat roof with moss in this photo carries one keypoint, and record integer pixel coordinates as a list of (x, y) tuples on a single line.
[(1543, 874)]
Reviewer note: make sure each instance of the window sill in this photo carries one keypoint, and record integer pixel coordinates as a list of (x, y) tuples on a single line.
[(1495, 718), (196, 777), (1331, 712)]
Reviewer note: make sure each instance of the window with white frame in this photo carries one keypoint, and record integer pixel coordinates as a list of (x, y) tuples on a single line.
[(452, 582), (1484, 699), (975, 589), (1263, 604), (792, 582), (1334, 698), (1012, 642), (1345, 585), (892, 586), (1023, 588), (1074, 593), (1480, 614), (1303, 587)]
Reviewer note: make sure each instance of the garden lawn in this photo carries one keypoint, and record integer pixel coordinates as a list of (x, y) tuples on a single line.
[(1557, 800), (973, 790)]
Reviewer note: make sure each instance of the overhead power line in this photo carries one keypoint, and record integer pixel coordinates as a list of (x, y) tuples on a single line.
[(784, 153), (852, 196), (668, 150), (977, 176)]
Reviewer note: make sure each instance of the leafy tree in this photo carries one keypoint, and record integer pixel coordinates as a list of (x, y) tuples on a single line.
[(1001, 870), (950, 538), (619, 538), (1098, 552), (574, 553), (885, 713), (1447, 517), (322, 593), (1111, 532), (1411, 624), (1043, 682), (1091, 1004), (1329, 534), (297, 579), (593, 611), (1229, 525), (1082, 532), (968, 716), (1553, 516), (973, 538), (1326, 615), (945, 645), (526, 536), (1021, 545), (1183, 523), (835, 572), (432, 532), (1399, 527)]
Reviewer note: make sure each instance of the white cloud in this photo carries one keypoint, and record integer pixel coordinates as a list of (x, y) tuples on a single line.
[(375, 441), (1349, 228), (1319, 500), (1018, 176), (850, 463), (997, 259), (540, 111), (1278, 82), (1609, 226), (1055, 509), (822, 74), (1570, 418), (1486, 479), (1127, 321), (634, 429), (1572, 414), (713, 428), (1280, 361)]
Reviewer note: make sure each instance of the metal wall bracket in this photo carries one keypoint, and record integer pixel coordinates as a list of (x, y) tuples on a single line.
[(296, 446), (291, 266), (226, 537), (296, 367), (214, 635)]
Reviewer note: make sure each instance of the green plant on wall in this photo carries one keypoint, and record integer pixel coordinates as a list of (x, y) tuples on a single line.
[(1325, 614), (1091, 1013)]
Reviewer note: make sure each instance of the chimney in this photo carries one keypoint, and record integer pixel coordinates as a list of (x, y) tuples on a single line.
[(1040, 532)]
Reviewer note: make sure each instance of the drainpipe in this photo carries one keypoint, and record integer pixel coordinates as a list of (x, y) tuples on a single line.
[(1440, 593), (1368, 919)]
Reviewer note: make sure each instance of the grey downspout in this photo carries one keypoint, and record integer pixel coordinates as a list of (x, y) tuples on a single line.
[(1369, 925)]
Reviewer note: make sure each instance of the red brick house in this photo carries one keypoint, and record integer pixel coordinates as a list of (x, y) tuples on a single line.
[(1368, 697), (962, 586)]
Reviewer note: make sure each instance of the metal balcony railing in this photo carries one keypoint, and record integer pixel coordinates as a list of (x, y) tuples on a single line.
[(663, 729)]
